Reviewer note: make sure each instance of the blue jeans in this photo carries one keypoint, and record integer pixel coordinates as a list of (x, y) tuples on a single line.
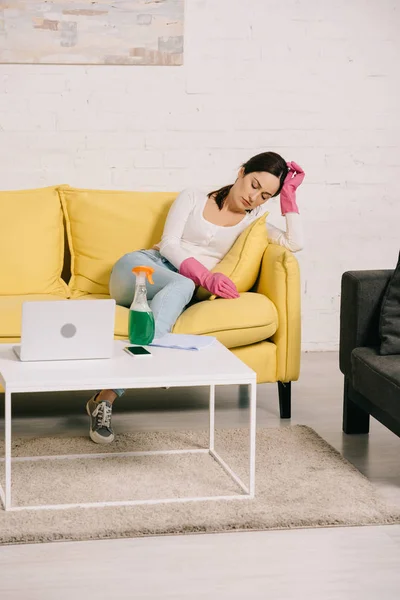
[(168, 296)]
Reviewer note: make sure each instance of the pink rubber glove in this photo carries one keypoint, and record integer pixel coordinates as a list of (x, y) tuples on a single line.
[(288, 193), (215, 283)]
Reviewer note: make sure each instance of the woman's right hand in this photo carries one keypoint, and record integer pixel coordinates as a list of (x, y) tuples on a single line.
[(221, 286), (216, 283)]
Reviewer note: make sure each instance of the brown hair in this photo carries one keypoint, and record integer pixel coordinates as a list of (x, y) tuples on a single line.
[(270, 162)]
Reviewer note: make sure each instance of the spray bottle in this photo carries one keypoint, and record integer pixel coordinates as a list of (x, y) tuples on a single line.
[(141, 318)]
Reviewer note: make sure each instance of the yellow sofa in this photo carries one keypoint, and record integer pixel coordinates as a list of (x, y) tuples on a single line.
[(61, 234)]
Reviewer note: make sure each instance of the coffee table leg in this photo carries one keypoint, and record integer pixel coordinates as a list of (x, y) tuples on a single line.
[(250, 488), (7, 450), (212, 417), (253, 408)]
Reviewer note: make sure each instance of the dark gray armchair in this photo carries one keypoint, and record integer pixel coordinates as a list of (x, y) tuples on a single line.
[(371, 381)]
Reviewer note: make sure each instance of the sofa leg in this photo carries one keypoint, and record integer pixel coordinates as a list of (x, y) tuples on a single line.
[(244, 396), (355, 419), (284, 391)]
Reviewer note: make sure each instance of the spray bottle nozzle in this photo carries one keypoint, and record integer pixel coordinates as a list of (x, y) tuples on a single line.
[(148, 271)]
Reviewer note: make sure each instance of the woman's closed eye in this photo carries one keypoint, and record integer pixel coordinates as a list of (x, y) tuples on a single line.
[(256, 186)]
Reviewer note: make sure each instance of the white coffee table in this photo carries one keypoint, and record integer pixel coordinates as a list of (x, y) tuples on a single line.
[(166, 368)]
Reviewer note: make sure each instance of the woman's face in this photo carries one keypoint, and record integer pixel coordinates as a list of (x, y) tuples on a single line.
[(253, 189)]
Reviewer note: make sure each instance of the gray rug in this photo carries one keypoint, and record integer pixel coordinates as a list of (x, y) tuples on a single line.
[(301, 481)]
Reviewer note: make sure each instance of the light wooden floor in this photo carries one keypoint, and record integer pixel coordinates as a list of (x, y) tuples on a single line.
[(335, 563)]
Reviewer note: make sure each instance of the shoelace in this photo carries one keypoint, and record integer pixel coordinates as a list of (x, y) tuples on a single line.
[(103, 415)]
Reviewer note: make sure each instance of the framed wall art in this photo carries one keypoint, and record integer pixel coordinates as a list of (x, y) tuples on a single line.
[(123, 32)]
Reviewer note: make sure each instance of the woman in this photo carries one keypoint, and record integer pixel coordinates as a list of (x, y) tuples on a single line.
[(199, 231)]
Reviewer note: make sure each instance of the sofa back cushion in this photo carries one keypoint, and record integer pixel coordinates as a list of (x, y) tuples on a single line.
[(242, 262), (389, 324), (31, 243), (104, 225)]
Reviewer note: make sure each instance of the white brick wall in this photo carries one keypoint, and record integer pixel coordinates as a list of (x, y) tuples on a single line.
[(316, 80)]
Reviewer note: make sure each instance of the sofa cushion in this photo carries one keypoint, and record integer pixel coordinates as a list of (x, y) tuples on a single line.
[(242, 261), (389, 322), (104, 225), (377, 378), (11, 312), (245, 320), (239, 322), (31, 243)]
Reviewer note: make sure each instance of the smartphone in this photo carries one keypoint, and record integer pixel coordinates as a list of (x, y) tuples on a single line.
[(137, 351)]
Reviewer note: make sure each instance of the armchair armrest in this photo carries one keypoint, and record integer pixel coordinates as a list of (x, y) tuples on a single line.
[(360, 303), (279, 280)]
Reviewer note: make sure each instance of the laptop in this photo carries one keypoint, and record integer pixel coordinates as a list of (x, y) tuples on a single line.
[(66, 330)]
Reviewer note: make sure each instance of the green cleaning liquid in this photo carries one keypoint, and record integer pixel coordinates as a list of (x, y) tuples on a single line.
[(141, 327)]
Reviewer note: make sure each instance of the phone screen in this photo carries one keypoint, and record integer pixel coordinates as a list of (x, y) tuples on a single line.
[(137, 351)]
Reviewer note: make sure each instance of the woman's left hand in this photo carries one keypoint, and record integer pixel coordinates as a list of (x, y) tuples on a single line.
[(288, 193)]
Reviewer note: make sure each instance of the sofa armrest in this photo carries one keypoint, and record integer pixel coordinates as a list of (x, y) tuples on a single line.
[(279, 280), (360, 304)]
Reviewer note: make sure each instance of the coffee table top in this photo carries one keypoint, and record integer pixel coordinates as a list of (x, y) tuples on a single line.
[(166, 367)]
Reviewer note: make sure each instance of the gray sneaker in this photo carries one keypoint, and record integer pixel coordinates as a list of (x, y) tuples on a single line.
[(100, 430)]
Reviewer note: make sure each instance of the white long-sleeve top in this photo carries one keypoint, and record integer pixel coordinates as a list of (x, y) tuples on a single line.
[(188, 234)]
